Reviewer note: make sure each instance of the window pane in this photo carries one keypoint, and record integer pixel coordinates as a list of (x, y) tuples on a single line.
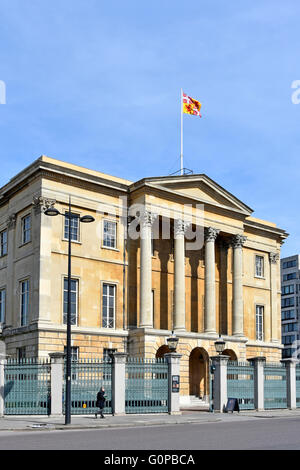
[(2, 305), (74, 301), (3, 243), (259, 262), (24, 302), (26, 229), (109, 234), (74, 227), (108, 305)]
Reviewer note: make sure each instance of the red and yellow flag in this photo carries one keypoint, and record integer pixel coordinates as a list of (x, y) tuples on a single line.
[(190, 106)]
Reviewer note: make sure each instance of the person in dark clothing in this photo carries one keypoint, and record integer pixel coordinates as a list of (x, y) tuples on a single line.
[(100, 402)]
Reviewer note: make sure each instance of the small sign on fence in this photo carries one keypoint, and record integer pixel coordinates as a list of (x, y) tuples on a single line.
[(232, 405), (175, 383)]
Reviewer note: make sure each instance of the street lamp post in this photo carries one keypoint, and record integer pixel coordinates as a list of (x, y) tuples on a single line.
[(52, 212), (219, 346)]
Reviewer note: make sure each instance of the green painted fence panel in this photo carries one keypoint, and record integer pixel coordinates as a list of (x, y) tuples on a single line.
[(275, 391), (87, 377), (240, 383), (146, 386), (27, 387)]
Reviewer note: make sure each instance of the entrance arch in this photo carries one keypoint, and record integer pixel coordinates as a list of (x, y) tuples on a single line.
[(231, 354), (164, 349), (199, 372)]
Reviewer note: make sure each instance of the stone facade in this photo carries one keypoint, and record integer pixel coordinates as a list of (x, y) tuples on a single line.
[(159, 285)]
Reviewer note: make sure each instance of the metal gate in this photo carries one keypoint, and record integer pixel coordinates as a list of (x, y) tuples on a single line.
[(146, 386), (87, 377), (240, 383), (275, 391), (27, 387)]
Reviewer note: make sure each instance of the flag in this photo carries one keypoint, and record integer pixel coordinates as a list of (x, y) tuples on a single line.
[(190, 106)]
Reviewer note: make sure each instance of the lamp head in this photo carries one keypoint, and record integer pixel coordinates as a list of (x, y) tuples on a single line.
[(87, 219), (220, 345), (51, 212)]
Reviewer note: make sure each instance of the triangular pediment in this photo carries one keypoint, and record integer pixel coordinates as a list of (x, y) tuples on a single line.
[(200, 188)]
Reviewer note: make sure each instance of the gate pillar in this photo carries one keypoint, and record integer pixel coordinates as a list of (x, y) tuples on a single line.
[(57, 380), (173, 360), (118, 383)]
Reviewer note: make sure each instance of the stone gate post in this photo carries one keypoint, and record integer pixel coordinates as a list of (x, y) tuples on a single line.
[(291, 382), (118, 382), (220, 382), (57, 380), (173, 360), (259, 382)]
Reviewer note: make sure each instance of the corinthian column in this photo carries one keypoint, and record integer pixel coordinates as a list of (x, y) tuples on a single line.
[(179, 274), (237, 288), (146, 220), (210, 235)]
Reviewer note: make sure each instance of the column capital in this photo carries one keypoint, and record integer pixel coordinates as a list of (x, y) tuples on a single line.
[(210, 234), (11, 221), (41, 203), (180, 227), (274, 257), (238, 241), (146, 218)]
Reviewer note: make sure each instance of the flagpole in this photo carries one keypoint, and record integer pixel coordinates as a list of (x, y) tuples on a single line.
[(181, 148)]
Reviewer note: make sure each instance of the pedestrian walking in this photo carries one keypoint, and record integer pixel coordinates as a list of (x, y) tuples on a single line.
[(100, 402)]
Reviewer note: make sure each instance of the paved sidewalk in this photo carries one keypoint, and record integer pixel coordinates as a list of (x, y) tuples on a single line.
[(30, 423)]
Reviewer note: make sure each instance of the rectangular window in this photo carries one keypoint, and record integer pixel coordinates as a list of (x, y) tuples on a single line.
[(24, 301), (74, 301), (290, 264), (106, 354), (74, 353), (74, 220), (289, 339), (259, 266), (288, 289), (74, 358), (109, 234), (3, 243), (21, 353), (289, 302), (288, 314), (260, 322), (289, 277), (26, 229), (2, 305), (289, 327), (108, 305)]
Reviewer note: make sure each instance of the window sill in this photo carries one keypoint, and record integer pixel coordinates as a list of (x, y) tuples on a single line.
[(260, 277), (72, 241), (110, 248), (24, 244)]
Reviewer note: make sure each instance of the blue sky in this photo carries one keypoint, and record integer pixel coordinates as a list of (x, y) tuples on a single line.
[(98, 83)]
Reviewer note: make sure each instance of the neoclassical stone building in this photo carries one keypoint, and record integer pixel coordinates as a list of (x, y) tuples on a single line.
[(166, 253)]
